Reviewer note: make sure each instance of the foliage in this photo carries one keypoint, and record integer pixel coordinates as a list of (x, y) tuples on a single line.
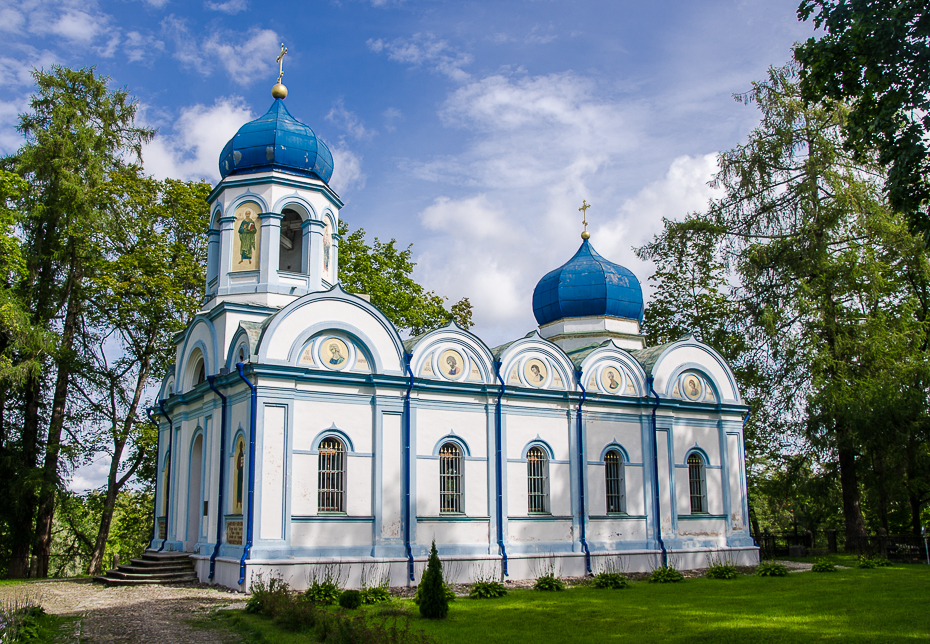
[(548, 582), (665, 575), (265, 596), (721, 569), (385, 273), (19, 620), (433, 601), (771, 569), (350, 599), (875, 57), (325, 585), (487, 589), (375, 595), (610, 580), (823, 565)]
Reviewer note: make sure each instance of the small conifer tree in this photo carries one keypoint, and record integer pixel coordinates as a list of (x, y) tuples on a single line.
[(433, 602)]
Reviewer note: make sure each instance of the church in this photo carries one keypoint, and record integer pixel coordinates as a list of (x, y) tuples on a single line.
[(298, 430)]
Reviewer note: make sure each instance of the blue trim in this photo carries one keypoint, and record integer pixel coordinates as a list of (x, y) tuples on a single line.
[(656, 505), (700, 452), (222, 478), (451, 438), (743, 481), (331, 431), (700, 370), (295, 198), (198, 431), (582, 508), (246, 196), (624, 456), (150, 413), (236, 181), (251, 515), (405, 441), (161, 403), (498, 441), (538, 442), (185, 354)]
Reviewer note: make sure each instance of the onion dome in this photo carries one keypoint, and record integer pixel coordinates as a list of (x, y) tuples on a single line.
[(585, 286), (277, 141)]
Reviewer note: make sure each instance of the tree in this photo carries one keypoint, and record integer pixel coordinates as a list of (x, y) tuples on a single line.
[(385, 274), (78, 134), (875, 57), (433, 601), (147, 284)]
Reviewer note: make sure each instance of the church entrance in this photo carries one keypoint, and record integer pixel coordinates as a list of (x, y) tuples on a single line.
[(194, 496)]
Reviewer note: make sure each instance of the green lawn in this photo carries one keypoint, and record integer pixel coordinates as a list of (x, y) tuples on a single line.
[(879, 605)]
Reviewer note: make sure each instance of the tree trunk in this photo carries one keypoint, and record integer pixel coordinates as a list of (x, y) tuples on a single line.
[(22, 495), (849, 482), (50, 479), (103, 534)]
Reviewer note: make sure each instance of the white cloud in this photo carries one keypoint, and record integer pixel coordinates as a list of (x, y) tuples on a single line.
[(425, 49), (391, 115), (141, 48), (79, 22), (190, 147), (18, 72), (11, 20), (245, 56), (347, 173), (231, 7), (10, 139), (348, 121)]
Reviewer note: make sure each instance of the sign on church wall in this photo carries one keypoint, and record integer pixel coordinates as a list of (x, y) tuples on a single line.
[(246, 237)]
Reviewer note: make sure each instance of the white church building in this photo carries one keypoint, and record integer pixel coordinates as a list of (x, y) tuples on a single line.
[(299, 429)]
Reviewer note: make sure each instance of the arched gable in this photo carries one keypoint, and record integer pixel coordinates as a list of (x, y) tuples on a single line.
[(451, 353), (667, 363), (540, 443), (534, 362), (600, 368), (298, 204), (289, 330), (200, 334)]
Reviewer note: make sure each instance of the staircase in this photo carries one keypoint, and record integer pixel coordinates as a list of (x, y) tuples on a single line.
[(153, 568)]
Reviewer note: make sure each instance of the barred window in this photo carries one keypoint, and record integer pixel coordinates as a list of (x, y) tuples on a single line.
[(332, 479), (537, 476), (616, 493), (697, 484), (450, 479)]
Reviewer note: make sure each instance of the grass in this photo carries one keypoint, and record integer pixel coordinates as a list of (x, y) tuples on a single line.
[(881, 605)]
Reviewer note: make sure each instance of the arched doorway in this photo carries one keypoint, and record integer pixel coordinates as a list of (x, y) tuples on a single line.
[(194, 496)]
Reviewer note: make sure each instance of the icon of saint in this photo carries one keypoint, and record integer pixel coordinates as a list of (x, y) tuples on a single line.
[(240, 469), (537, 376), (335, 357), (613, 385), (693, 386), (247, 233), (453, 366)]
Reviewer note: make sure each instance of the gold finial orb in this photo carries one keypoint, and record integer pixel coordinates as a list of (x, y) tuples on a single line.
[(279, 91), (586, 235)]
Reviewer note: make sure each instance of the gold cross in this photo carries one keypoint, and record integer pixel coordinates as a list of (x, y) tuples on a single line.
[(280, 61), (584, 217)]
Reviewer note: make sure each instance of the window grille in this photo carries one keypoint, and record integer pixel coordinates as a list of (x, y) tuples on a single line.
[(450, 479), (537, 476), (613, 465), (332, 479), (697, 484)]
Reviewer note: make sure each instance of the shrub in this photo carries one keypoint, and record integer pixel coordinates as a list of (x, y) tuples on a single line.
[(323, 593), (375, 595), (450, 594), (721, 569), (822, 565), (350, 599), (487, 589), (548, 582), (19, 620), (665, 575), (866, 561), (433, 601), (771, 569), (611, 580), (267, 598)]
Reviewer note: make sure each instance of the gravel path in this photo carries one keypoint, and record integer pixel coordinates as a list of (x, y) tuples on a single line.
[(145, 614)]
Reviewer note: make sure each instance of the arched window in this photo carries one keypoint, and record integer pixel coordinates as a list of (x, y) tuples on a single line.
[(697, 484), (200, 372), (616, 492), (292, 236), (450, 479), (332, 488), (241, 354), (537, 479)]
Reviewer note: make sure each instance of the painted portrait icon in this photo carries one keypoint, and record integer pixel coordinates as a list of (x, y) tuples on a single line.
[(692, 387), (334, 353), (451, 364), (239, 463), (535, 372), (328, 250), (246, 237), (611, 380)]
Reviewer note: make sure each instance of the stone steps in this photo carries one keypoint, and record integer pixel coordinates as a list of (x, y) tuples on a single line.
[(152, 568)]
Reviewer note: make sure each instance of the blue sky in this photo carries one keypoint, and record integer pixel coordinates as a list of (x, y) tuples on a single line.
[(471, 129)]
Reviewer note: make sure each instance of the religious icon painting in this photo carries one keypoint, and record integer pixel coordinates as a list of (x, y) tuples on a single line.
[(611, 380), (334, 354), (451, 364), (535, 372), (239, 476), (692, 387), (328, 250), (246, 237)]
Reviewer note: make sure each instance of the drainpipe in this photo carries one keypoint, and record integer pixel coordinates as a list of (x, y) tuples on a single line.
[(161, 404), (656, 506), (498, 440), (150, 413), (222, 481), (406, 479), (252, 415), (582, 465)]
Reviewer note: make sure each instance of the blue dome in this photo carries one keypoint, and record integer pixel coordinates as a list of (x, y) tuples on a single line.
[(588, 285), (277, 141)]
